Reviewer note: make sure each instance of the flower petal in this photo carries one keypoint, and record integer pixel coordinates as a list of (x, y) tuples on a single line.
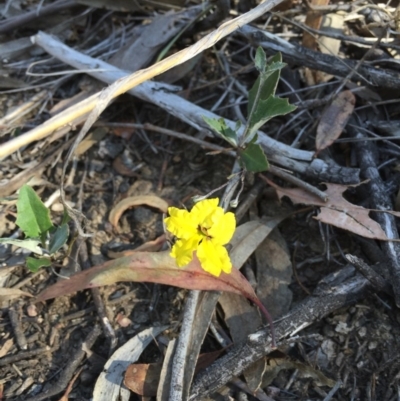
[(203, 209), (181, 223), (182, 251), (214, 258), (223, 227)]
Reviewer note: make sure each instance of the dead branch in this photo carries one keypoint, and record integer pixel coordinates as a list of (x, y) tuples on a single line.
[(160, 94), (380, 199), (21, 20), (336, 291), (296, 54)]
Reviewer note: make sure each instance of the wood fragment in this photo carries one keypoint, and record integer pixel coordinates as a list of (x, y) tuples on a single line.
[(15, 319)]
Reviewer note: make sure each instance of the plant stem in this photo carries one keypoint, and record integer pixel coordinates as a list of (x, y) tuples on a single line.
[(253, 109)]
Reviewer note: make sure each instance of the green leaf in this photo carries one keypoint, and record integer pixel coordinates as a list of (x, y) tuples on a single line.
[(35, 264), (266, 83), (267, 109), (58, 238), (29, 244), (253, 158), (221, 128), (33, 216), (260, 60)]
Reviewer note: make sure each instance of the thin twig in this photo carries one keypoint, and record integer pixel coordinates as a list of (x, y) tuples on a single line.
[(98, 301)]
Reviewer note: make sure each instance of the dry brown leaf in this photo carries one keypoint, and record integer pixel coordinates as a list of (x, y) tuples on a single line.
[(142, 378), (334, 119), (8, 344), (132, 201), (337, 211), (7, 294)]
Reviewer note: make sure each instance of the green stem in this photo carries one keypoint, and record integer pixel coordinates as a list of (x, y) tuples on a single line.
[(253, 109)]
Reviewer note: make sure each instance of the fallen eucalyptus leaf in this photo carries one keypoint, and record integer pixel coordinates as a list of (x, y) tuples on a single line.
[(132, 201), (153, 267)]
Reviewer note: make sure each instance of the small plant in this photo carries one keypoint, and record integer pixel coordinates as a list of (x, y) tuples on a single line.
[(262, 106), (42, 237)]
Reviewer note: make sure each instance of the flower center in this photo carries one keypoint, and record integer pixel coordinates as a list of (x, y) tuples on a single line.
[(204, 231)]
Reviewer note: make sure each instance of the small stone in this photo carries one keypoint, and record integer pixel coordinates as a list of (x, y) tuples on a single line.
[(362, 332), (122, 320), (31, 310), (343, 328), (143, 215)]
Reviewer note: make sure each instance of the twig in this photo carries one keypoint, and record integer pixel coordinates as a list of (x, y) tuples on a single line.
[(98, 301), (335, 388), (179, 364), (73, 363), (249, 199), (24, 19), (7, 360), (14, 316), (370, 274)]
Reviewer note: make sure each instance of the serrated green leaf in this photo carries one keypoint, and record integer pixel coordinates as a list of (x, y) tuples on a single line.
[(253, 158), (266, 83), (260, 59), (221, 128), (29, 244), (58, 238), (35, 264), (267, 109), (33, 217)]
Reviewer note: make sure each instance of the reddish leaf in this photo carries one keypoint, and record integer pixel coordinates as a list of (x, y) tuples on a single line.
[(334, 119), (337, 211), (143, 378), (154, 268)]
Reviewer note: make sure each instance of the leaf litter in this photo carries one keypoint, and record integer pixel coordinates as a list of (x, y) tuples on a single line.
[(102, 188), (339, 212)]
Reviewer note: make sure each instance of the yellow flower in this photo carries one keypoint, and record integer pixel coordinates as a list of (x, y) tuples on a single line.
[(205, 229)]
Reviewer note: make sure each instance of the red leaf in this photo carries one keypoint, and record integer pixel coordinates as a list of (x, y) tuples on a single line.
[(152, 267)]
